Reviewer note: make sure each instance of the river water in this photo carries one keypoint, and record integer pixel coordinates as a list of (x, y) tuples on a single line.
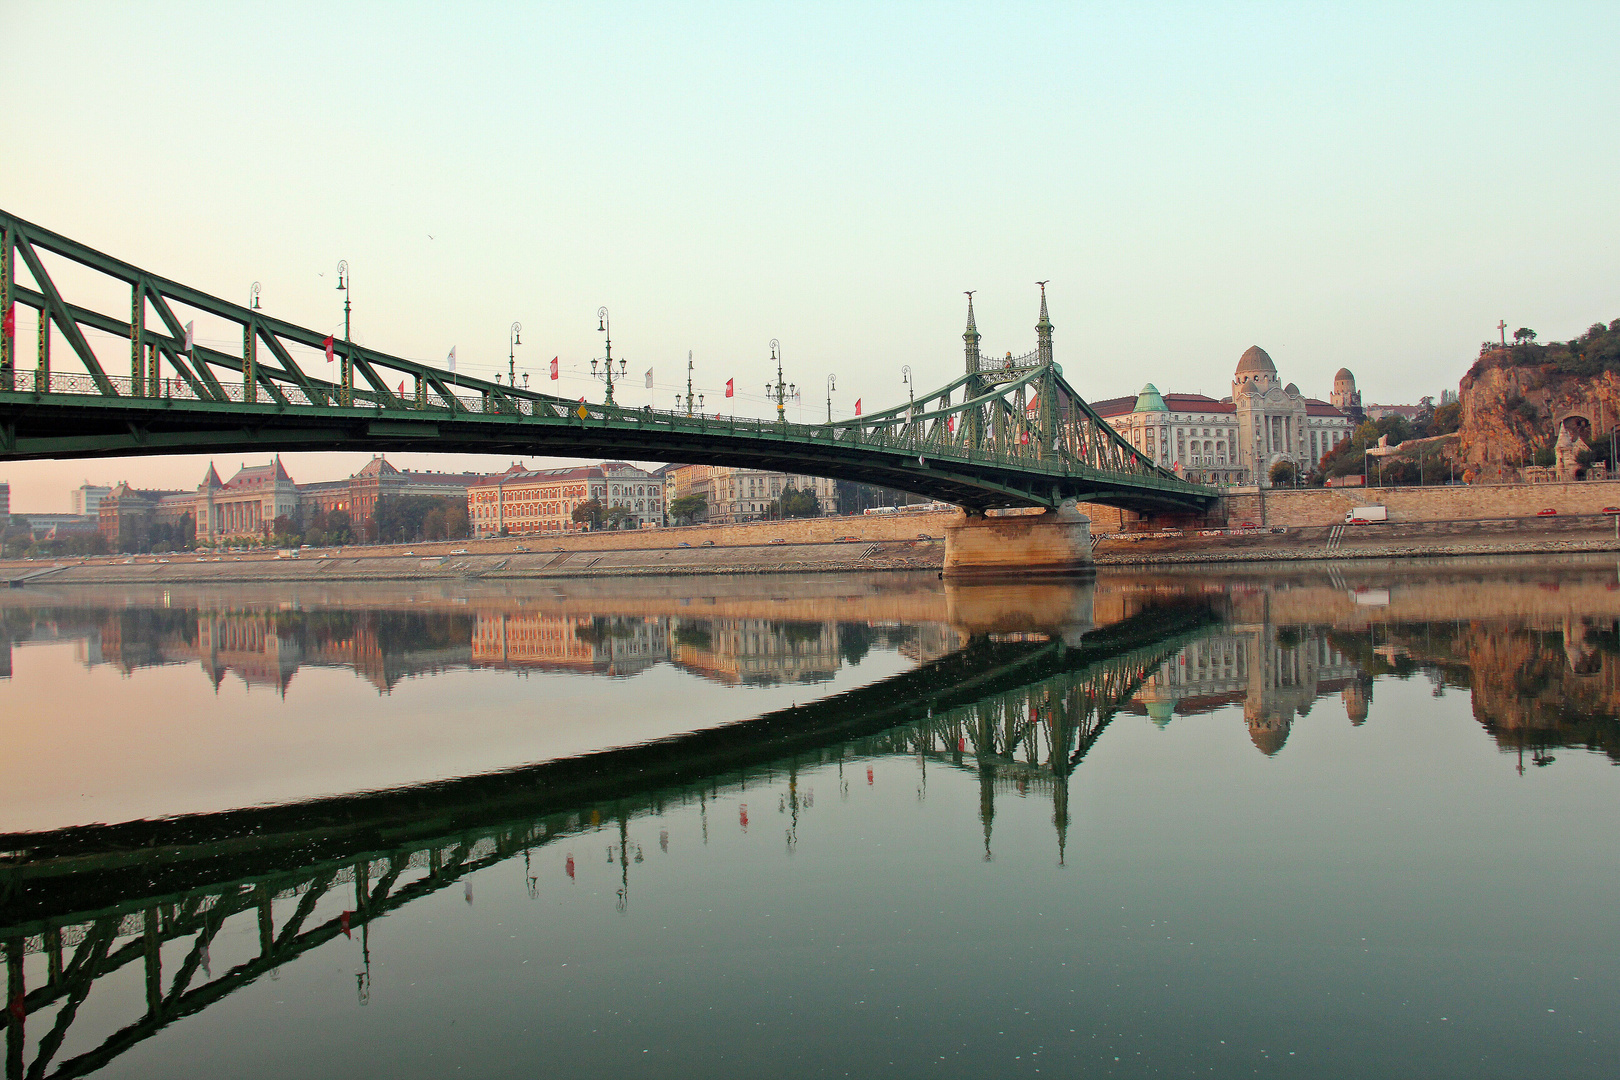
[(1288, 822)]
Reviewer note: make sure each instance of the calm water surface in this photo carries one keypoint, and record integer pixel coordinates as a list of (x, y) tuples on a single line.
[(1358, 823)]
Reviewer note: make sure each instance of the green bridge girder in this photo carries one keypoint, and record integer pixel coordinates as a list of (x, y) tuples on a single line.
[(1000, 436)]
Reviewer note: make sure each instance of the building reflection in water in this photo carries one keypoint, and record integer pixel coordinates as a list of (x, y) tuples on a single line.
[(1275, 674)]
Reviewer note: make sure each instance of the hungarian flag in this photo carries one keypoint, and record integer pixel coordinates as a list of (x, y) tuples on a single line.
[(402, 388), (950, 424), (11, 320), (190, 337), (857, 406), (328, 344), (729, 392), (553, 369)]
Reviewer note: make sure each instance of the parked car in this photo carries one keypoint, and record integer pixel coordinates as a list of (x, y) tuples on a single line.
[(1548, 512), (683, 543), (409, 553), (520, 547), (924, 536), (779, 540), (707, 543), (846, 540), (1611, 509), (459, 551)]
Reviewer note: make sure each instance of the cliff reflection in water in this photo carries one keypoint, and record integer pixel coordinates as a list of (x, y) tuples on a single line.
[(1537, 650)]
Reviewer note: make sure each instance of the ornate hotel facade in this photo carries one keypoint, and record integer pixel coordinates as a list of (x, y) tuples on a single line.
[(1237, 440)]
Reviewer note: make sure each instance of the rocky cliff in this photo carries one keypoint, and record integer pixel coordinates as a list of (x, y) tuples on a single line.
[(1515, 398)]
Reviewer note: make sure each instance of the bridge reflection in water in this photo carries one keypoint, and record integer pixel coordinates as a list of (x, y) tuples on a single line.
[(1019, 706)]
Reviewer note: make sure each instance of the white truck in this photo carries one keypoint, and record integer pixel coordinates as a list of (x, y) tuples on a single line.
[(1366, 514)]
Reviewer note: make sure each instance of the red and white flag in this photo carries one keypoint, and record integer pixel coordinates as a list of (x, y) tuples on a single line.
[(402, 388), (950, 424), (1024, 438), (11, 320), (857, 406), (553, 369), (728, 388), (191, 337), (329, 350)]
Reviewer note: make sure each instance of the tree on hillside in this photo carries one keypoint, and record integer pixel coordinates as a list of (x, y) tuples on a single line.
[(1524, 336)]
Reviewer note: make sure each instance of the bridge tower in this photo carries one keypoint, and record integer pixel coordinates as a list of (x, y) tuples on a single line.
[(972, 422), (1046, 394)]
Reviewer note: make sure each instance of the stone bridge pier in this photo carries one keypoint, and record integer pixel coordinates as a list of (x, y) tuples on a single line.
[(1018, 545)]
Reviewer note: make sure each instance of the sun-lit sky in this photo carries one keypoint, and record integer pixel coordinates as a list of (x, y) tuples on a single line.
[(1371, 186)]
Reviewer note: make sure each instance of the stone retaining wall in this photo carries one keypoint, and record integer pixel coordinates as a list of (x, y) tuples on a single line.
[(1475, 502), (868, 527)]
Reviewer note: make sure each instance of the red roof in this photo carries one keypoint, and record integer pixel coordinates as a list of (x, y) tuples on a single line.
[(1196, 403), (1124, 406)]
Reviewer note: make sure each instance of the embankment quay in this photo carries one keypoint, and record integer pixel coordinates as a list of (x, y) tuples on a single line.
[(818, 546)]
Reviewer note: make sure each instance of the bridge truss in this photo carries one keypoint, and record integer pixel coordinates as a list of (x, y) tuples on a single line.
[(1003, 435)]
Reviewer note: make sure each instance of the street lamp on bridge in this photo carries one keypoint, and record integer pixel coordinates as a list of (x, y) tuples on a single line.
[(253, 297), (831, 386), (348, 363), (605, 324), (780, 390), (511, 354), (689, 400)]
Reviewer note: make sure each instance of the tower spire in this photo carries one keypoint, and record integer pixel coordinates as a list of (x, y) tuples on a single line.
[(1043, 330), (971, 337)]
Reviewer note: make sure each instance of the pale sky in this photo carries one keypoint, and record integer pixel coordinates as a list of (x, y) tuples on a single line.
[(1371, 186)]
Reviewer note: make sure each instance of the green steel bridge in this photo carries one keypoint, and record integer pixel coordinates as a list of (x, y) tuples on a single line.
[(143, 907), (1007, 433)]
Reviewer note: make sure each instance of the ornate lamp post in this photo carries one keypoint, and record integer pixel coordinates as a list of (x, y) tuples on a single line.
[(605, 325), (780, 390), (253, 297), (513, 342), (347, 392), (689, 399), (831, 386)]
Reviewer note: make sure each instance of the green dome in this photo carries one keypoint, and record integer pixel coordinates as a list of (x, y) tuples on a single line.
[(1150, 401)]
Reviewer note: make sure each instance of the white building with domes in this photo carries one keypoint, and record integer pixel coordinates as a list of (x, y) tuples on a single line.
[(1237, 440)]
